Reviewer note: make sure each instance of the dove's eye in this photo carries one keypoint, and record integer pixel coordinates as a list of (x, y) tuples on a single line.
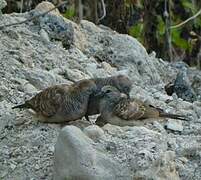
[(126, 89), (108, 91)]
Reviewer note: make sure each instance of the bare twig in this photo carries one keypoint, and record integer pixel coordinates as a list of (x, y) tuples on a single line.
[(22, 2), (34, 17), (104, 10), (186, 21), (168, 45), (80, 10)]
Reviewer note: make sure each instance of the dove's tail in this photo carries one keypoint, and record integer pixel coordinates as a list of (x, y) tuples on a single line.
[(173, 116), (25, 105)]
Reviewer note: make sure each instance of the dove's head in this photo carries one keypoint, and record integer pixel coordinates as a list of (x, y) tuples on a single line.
[(84, 86), (111, 94), (123, 84)]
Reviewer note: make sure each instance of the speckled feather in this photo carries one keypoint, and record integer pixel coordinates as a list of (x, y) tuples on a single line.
[(63, 102), (134, 109), (117, 109), (121, 82)]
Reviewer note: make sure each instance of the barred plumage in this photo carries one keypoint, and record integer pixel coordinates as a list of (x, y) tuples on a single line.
[(121, 82), (116, 108), (61, 103)]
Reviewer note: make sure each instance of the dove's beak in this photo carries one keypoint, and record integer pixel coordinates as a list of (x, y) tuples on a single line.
[(128, 96), (123, 95), (100, 94)]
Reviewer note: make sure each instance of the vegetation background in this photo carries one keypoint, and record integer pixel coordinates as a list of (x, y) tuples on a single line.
[(152, 22)]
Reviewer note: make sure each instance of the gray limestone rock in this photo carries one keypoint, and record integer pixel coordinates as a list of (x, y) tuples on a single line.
[(94, 132), (183, 88), (174, 125), (39, 79), (76, 157), (121, 51), (2, 5), (56, 27)]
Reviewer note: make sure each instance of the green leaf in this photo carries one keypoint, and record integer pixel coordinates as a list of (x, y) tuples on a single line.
[(178, 40), (69, 13), (136, 30), (197, 22), (161, 26), (189, 5)]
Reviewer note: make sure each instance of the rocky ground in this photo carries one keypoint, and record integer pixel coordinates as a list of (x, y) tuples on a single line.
[(52, 50)]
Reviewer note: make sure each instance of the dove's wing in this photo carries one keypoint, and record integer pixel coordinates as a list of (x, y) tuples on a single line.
[(49, 100), (149, 110), (129, 109)]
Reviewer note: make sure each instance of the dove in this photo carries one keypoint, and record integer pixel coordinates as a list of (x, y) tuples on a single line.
[(121, 82), (61, 103), (117, 109)]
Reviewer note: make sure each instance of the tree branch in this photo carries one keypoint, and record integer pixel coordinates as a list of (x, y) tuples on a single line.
[(22, 2), (187, 20), (34, 17), (104, 10)]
